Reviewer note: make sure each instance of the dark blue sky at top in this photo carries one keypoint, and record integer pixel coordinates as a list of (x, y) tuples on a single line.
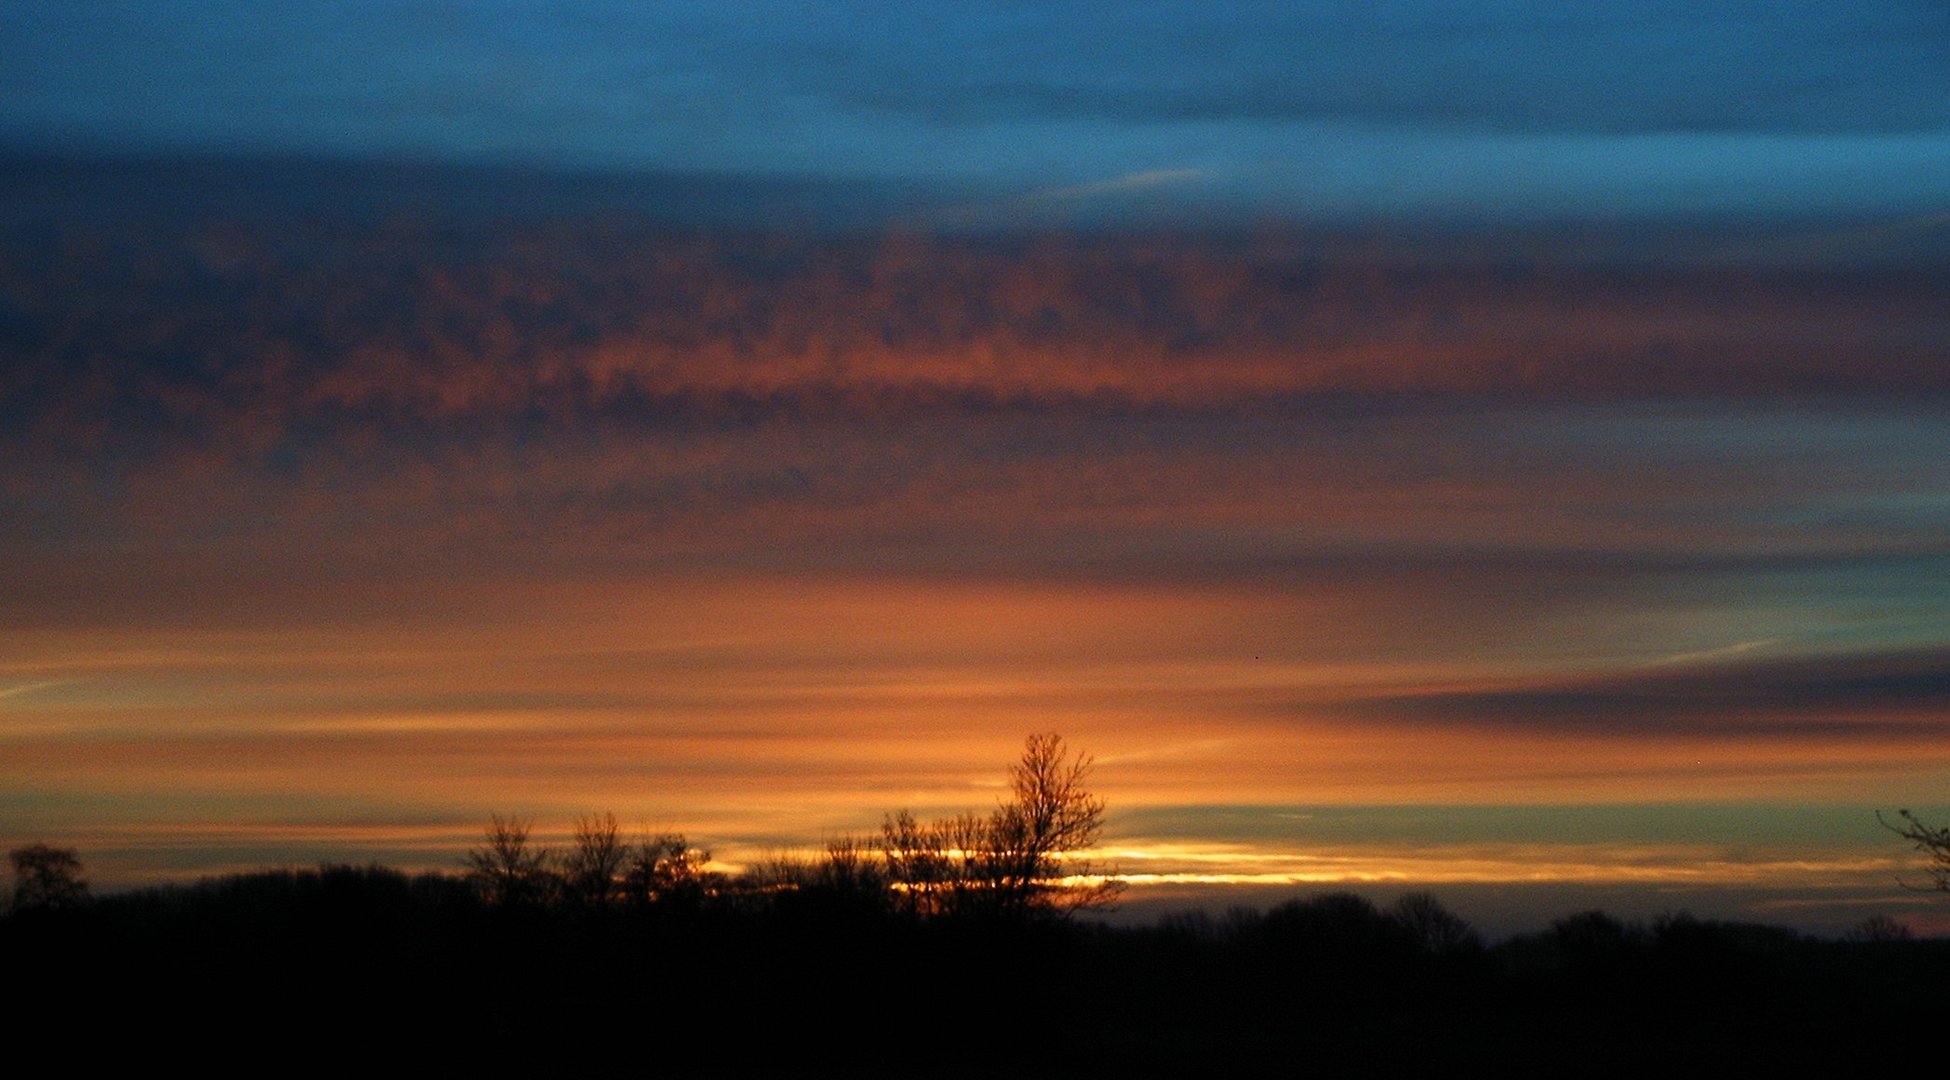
[(1505, 109)]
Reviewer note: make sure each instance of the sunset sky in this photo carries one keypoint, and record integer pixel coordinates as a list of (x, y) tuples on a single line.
[(1500, 448)]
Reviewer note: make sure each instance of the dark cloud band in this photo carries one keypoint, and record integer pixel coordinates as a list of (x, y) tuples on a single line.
[(1874, 695)]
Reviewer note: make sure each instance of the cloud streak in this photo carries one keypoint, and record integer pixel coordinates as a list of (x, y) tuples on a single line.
[(271, 342), (1901, 696)]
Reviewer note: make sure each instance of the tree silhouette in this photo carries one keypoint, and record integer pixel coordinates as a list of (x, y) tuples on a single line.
[(1042, 832), (666, 870), (1933, 841), (1023, 859), (1434, 927), (592, 870), (507, 870), (920, 863), (847, 886), (1878, 929), (849, 879), (47, 878)]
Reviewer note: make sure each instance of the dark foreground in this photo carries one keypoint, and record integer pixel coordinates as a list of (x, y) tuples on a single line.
[(370, 969)]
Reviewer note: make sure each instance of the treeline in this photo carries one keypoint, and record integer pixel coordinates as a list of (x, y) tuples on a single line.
[(342, 957), (940, 948), (1025, 860)]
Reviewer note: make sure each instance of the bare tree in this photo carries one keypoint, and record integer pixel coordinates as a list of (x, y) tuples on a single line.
[(849, 877), (508, 871), (592, 870), (917, 858), (47, 878), (1024, 858), (849, 882), (1437, 929), (1933, 841), (1045, 830)]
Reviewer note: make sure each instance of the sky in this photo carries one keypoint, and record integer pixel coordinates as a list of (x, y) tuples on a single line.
[(1176, 110), (1493, 448)]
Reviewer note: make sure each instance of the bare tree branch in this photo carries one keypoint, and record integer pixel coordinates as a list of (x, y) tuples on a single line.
[(1933, 841)]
